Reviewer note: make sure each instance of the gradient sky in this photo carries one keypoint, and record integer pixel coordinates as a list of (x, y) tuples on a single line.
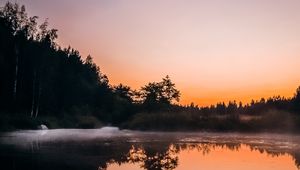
[(213, 50)]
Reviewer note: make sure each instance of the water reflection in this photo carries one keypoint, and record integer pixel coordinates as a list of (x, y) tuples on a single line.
[(154, 159), (205, 156), (153, 151)]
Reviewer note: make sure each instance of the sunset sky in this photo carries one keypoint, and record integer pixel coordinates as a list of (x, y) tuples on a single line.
[(213, 50)]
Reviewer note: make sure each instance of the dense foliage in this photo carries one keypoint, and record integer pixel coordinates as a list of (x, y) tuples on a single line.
[(39, 78), (43, 83)]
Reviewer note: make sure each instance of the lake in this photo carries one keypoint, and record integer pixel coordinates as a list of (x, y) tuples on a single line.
[(112, 149)]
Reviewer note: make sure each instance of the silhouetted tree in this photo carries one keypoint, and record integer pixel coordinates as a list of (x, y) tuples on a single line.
[(38, 77), (158, 94), (124, 92), (296, 101)]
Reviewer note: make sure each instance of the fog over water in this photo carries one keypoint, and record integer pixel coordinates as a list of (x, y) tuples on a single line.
[(111, 148), (24, 137)]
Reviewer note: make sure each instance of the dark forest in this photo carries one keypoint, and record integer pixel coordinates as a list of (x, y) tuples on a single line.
[(43, 83)]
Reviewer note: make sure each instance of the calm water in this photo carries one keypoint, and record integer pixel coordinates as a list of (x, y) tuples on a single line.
[(111, 149)]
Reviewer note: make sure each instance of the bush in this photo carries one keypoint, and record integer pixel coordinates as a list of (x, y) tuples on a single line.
[(88, 122), (17, 121)]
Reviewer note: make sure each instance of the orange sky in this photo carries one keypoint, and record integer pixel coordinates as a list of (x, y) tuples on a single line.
[(213, 50)]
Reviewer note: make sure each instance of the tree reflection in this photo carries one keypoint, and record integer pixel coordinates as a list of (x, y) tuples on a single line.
[(164, 156), (151, 160)]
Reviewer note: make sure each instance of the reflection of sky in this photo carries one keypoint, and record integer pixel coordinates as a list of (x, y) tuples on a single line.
[(243, 158), (220, 157), (213, 50), (192, 150)]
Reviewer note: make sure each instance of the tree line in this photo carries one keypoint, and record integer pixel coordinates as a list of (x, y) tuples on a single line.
[(39, 78)]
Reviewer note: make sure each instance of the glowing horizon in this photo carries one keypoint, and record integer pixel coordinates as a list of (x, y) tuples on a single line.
[(214, 51)]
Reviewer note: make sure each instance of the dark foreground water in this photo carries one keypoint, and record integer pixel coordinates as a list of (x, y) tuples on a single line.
[(111, 149)]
